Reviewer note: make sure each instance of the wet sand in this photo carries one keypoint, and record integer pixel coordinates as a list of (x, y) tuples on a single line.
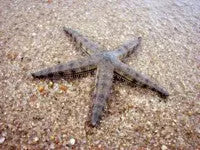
[(34, 114)]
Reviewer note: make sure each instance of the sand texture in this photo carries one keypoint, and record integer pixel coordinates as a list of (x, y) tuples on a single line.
[(45, 114)]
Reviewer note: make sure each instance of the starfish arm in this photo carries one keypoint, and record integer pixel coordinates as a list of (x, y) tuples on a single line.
[(104, 80), (71, 68), (128, 48), (89, 47), (131, 75)]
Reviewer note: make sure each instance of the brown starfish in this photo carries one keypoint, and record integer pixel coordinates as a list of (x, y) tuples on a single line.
[(107, 63)]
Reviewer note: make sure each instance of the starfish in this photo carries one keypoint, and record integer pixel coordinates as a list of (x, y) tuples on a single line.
[(107, 63)]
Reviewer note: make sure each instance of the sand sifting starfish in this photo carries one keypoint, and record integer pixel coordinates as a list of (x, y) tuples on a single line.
[(107, 63)]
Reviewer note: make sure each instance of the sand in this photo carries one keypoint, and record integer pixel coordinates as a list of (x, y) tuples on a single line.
[(38, 114)]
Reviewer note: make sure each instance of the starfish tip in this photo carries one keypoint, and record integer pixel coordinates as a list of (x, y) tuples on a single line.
[(95, 119), (139, 38), (33, 75)]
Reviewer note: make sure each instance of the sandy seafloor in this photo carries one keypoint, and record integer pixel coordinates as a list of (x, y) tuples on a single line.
[(31, 38)]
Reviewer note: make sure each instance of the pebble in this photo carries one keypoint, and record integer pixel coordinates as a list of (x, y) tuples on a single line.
[(52, 137), (63, 87), (50, 84), (52, 146), (198, 129), (41, 89), (2, 139), (35, 139), (4, 134), (164, 147), (72, 141), (34, 34)]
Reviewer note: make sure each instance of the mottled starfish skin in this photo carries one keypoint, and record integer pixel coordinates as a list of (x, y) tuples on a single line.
[(107, 63)]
